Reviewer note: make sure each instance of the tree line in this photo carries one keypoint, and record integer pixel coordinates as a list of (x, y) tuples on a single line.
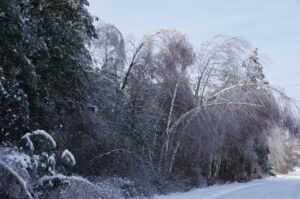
[(156, 111)]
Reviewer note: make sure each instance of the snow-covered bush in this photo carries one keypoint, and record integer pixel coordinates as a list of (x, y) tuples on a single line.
[(42, 140), (67, 187), (39, 145), (20, 158), (68, 158), (15, 180), (118, 188)]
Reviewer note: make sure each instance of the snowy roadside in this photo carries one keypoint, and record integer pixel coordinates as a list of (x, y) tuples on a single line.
[(280, 187)]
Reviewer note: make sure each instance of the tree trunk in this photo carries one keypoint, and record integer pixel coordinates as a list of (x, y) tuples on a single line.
[(165, 149), (127, 76)]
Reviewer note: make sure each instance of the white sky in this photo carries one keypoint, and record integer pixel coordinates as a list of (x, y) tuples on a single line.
[(273, 26)]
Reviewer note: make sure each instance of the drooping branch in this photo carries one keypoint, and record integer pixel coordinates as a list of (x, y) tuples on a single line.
[(136, 54)]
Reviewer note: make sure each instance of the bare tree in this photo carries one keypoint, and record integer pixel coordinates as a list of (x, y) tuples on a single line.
[(136, 54), (218, 63), (108, 50), (174, 55)]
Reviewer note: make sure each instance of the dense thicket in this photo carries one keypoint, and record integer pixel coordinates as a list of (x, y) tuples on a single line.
[(153, 111)]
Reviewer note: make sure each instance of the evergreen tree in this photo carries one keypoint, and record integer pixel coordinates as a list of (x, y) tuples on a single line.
[(64, 27), (254, 68), (43, 63), (17, 76)]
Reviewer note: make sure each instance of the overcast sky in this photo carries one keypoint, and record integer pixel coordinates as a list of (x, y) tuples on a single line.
[(273, 26)]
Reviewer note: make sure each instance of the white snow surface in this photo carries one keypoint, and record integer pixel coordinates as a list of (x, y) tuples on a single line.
[(280, 187), (22, 159)]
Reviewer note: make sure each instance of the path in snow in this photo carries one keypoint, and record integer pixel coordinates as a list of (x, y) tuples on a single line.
[(281, 187)]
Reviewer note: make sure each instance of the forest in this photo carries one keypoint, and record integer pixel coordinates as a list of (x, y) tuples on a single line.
[(84, 109)]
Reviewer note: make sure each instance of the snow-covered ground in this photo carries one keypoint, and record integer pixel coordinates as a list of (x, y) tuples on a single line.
[(281, 187)]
